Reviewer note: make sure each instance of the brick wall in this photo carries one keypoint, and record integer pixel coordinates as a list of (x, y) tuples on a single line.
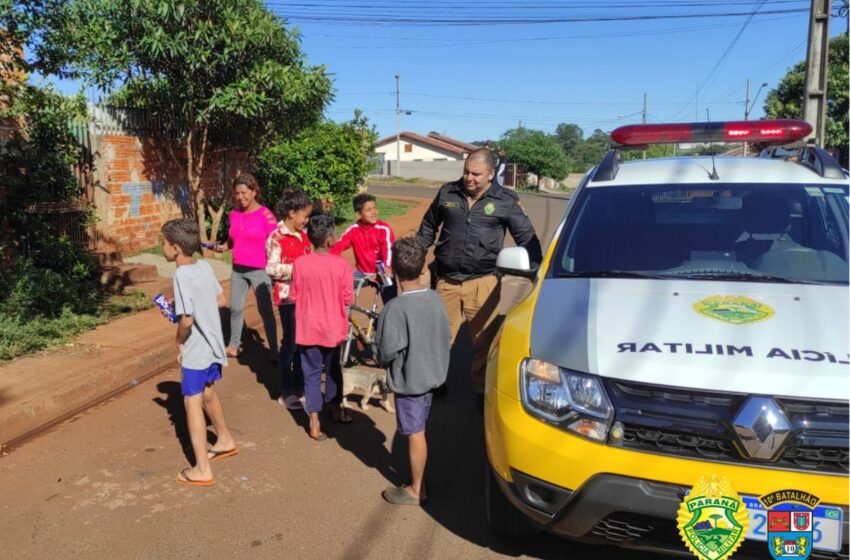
[(138, 190)]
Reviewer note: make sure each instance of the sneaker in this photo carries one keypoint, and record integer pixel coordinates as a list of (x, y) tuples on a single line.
[(291, 402)]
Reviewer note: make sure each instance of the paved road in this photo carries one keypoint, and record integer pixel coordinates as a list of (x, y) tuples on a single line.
[(102, 484), (545, 211)]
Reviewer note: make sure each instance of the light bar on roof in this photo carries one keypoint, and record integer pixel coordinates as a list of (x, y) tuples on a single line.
[(773, 131)]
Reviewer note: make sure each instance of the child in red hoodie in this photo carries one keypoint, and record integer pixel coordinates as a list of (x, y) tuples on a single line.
[(371, 240), (283, 247)]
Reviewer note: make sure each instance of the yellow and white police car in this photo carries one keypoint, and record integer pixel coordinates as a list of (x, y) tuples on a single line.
[(689, 320)]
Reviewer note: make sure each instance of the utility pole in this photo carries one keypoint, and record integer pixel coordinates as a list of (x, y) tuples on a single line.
[(696, 105), (643, 120), (748, 106), (817, 59), (746, 110), (397, 129)]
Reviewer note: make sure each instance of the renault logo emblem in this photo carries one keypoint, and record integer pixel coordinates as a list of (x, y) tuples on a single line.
[(762, 428)]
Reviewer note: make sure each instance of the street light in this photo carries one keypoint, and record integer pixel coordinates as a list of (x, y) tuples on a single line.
[(750, 108)]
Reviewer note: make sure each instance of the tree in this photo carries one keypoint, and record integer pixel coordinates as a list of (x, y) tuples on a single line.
[(786, 101), (591, 151), (569, 136), (328, 160), (536, 152), (42, 271), (215, 73), (653, 151)]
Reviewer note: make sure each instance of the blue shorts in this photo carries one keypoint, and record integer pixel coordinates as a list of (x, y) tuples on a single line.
[(193, 381), (411, 412)]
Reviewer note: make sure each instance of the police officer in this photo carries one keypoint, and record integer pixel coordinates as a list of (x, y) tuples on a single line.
[(474, 213)]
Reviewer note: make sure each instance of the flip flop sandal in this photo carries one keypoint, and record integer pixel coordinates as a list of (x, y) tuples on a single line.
[(214, 455), (399, 496), (182, 478), (321, 437)]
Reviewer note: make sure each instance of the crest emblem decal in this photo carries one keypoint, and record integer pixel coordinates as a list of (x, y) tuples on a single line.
[(489, 209), (790, 527), (712, 519), (737, 310)]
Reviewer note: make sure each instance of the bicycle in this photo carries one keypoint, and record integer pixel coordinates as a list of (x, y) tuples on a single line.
[(358, 332)]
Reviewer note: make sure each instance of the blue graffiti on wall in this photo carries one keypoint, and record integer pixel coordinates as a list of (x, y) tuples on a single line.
[(135, 190)]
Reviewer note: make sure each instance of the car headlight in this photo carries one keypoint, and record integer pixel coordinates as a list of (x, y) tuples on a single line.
[(572, 401)]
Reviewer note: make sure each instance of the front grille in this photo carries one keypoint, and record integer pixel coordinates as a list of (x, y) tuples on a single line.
[(698, 425), (627, 529), (677, 443), (818, 458)]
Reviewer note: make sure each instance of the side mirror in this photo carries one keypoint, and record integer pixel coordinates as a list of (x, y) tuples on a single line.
[(514, 261)]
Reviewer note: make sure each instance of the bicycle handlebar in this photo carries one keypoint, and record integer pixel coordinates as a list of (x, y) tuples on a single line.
[(367, 312)]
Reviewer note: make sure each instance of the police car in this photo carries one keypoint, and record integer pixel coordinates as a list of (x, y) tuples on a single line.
[(689, 319)]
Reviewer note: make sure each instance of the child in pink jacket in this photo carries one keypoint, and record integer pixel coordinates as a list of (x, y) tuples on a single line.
[(321, 290)]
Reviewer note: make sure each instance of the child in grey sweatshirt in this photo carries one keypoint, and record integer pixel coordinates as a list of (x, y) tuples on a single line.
[(412, 339)]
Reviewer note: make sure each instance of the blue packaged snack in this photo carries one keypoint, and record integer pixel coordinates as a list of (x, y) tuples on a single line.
[(210, 246), (162, 303), (382, 274)]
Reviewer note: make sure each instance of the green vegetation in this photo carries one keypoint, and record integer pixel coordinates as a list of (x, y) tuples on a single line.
[(387, 208), (214, 74), (157, 250), (19, 335), (328, 161), (785, 102), (402, 181), (536, 152)]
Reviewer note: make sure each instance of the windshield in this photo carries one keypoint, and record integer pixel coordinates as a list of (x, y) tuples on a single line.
[(763, 232)]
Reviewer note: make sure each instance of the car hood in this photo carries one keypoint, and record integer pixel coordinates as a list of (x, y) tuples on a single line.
[(773, 339)]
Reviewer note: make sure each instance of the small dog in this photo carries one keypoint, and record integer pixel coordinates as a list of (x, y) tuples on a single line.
[(370, 384)]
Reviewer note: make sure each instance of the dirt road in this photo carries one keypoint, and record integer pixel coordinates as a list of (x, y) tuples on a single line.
[(102, 484)]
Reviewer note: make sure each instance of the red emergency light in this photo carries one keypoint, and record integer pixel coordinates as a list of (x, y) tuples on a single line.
[(774, 131)]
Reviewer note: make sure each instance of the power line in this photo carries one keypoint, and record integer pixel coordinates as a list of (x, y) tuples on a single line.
[(762, 71), (713, 72), (360, 19), (601, 36), (539, 102)]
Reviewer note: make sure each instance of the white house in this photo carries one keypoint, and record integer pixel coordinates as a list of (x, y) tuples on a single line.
[(415, 147)]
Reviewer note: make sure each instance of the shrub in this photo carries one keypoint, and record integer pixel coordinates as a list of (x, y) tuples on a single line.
[(45, 272), (54, 277), (328, 161), (537, 152)]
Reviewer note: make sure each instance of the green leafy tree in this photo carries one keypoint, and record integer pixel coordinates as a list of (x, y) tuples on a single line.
[(328, 161), (569, 135), (214, 73), (536, 152), (653, 151), (591, 151), (786, 101), (42, 272)]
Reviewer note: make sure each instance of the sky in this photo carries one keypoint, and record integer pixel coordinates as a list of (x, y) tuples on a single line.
[(473, 69), (476, 78)]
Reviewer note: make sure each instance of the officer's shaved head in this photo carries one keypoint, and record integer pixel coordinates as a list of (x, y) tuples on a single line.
[(478, 172), (483, 155)]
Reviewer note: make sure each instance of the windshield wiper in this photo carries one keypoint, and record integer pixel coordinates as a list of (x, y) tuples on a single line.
[(741, 275), (606, 274)]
